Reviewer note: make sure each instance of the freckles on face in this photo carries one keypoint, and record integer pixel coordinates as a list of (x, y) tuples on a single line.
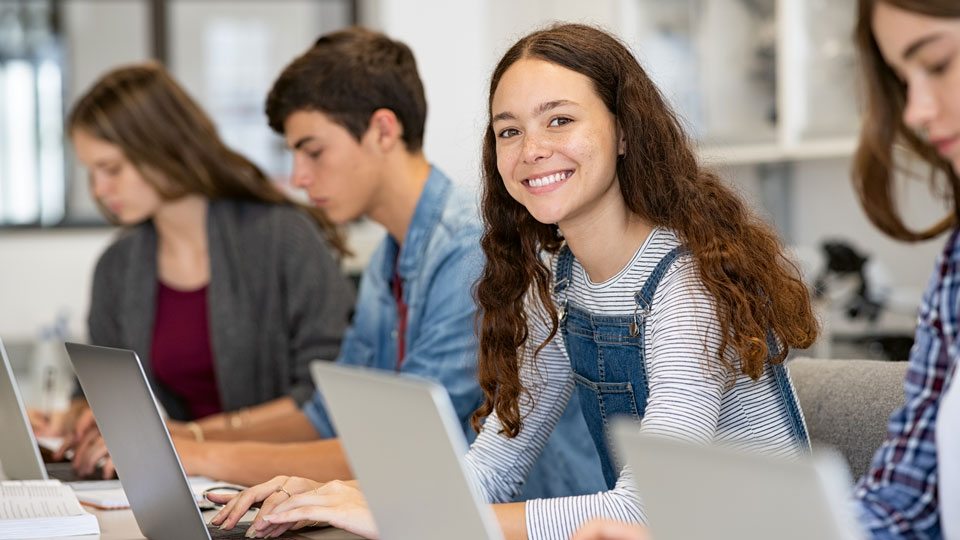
[(556, 141)]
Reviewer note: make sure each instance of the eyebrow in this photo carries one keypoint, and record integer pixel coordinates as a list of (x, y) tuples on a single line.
[(537, 111), (919, 44), (106, 162), (302, 141)]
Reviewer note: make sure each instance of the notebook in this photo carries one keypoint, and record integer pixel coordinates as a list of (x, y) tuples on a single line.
[(114, 498), (41, 509), (409, 462), (699, 491)]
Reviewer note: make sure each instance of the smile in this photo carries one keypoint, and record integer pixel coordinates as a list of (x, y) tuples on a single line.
[(546, 180)]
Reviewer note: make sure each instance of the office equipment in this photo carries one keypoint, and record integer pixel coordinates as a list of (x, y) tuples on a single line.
[(695, 492), (130, 423), (412, 471), (41, 509), (19, 455)]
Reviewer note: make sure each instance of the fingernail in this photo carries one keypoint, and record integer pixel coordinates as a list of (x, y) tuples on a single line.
[(251, 533)]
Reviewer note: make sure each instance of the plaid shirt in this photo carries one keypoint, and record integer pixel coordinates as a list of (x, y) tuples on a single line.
[(898, 497)]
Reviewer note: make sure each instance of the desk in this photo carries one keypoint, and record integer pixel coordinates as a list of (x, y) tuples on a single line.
[(121, 525)]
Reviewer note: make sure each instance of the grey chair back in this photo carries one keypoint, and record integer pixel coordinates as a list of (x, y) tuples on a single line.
[(847, 404)]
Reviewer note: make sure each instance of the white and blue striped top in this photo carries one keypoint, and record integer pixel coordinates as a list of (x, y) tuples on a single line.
[(692, 396)]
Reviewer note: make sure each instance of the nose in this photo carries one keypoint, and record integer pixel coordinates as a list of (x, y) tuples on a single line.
[(300, 178), (535, 148), (921, 106), (99, 185)]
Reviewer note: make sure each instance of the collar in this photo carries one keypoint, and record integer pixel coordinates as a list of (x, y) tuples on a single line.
[(425, 219)]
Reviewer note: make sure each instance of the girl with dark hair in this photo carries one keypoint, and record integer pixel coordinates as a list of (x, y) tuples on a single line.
[(910, 52), (619, 270), (224, 287)]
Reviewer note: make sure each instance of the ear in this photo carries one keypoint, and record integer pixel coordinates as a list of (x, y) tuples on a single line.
[(385, 130)]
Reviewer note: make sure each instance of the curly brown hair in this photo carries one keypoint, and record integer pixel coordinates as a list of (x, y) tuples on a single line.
[(883, 128), (740, 259)]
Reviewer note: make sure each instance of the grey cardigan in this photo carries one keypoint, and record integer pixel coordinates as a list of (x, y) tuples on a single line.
[(276, 299)]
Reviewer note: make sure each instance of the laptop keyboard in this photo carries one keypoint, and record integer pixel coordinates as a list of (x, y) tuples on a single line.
[(239, 531), (64, 472)]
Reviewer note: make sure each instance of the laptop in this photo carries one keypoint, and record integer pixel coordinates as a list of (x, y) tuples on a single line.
[(700, 491), (409, 462), (19, 454), (136, 436)]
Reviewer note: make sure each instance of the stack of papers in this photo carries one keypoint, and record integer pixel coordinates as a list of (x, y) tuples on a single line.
[(41, 509)]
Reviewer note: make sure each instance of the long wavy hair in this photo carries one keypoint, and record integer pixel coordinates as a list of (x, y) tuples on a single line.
[(740, 259), (883, 129), (173, 143)]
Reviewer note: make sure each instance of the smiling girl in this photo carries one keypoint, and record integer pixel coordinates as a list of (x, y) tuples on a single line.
[(618, 273)]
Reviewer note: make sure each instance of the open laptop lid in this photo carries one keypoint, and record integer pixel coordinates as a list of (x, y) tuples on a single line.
[(694, 491), (19, 455), (406, 446), (129, 420)]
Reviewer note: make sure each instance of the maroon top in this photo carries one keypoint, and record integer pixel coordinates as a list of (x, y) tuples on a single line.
[(401, 314), (180, 355)]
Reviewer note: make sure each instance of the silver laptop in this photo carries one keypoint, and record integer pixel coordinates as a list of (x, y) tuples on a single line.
[(130, 422), (406, 446), (19, 454), (692, 492)]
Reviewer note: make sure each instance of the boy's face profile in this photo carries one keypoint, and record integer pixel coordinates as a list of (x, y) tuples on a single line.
[(339, 173)]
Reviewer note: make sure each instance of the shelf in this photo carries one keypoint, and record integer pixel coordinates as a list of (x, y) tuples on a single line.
[(747, 154)]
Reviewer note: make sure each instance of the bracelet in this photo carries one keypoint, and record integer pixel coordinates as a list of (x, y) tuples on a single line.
[(236, 420), (196, 430)]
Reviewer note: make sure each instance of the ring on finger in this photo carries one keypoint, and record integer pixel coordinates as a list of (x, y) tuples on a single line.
[(281, 489)]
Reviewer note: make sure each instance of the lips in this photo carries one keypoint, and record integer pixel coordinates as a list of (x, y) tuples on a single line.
[(944, 144)]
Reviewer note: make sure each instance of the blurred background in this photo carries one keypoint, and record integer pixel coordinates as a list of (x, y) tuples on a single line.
[(767, 88)]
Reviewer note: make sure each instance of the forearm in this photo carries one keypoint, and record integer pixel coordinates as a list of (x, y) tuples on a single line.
[(249, 462), (294, 426), (248, 416), (513, 520)]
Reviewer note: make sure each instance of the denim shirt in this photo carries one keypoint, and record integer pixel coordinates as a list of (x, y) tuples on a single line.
[(439, 263)]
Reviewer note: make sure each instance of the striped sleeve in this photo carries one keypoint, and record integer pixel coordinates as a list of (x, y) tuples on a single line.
[(499, 463)]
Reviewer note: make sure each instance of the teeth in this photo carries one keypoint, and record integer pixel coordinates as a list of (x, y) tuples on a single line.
[(547, 180)]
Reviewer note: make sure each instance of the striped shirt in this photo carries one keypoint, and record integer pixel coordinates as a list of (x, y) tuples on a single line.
[(691, 395), (898, 496)]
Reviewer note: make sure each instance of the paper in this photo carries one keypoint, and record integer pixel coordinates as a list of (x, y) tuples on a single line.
[(40, 509), (110, 499)]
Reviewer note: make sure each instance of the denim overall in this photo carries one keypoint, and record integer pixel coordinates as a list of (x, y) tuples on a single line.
[(608, 358)]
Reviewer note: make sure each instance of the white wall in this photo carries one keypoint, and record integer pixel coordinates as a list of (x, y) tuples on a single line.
[(43, 273)]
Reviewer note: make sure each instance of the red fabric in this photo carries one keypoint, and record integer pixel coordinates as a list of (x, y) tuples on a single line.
[(181, 355), (401, 316)]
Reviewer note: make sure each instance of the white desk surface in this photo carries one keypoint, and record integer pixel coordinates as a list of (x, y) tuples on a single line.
[(121, 525)]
